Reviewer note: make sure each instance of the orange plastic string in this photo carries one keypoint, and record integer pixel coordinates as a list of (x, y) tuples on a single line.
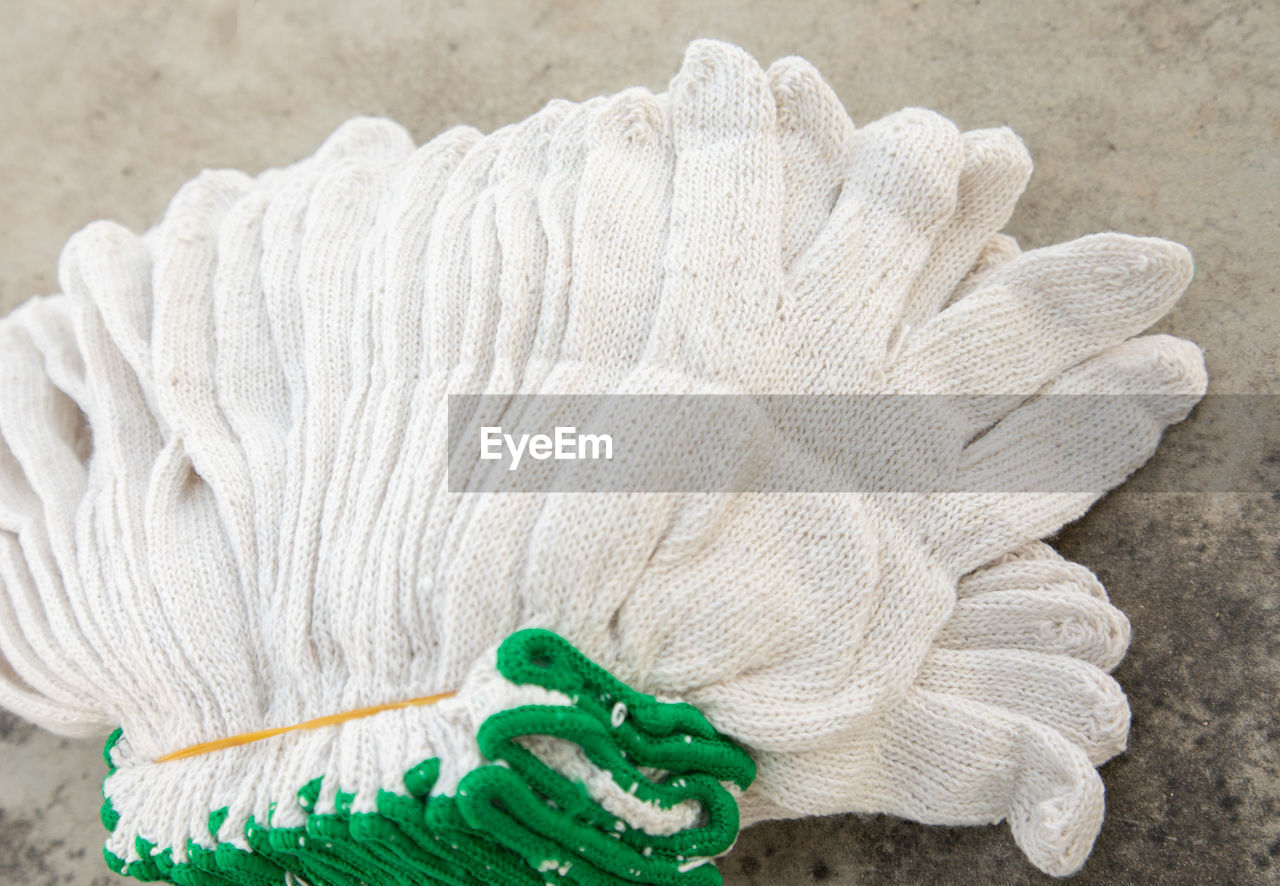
[(207, 747)]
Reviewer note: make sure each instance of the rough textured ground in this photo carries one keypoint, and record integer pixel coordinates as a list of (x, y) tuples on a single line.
[(1157, 118)]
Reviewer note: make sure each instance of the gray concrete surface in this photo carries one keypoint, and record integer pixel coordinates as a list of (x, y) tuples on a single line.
[(1156, 118)]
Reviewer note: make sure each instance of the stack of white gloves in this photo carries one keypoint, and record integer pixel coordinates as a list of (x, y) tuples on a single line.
[(225, 503)]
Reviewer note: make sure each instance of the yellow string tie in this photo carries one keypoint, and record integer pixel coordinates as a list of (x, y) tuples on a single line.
[(207, 747)]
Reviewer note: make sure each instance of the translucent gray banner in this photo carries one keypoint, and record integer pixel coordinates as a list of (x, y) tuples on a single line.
[(882, 443)]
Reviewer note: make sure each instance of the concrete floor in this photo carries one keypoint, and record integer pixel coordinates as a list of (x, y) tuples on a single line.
[(1154, 118)]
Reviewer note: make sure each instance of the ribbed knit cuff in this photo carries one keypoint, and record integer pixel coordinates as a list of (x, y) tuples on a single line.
[(543, 768)]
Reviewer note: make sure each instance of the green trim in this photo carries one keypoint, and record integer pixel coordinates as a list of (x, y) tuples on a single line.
[(513, 821)]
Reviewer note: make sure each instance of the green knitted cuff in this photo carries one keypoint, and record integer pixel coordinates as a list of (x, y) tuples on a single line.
[(517, 818)]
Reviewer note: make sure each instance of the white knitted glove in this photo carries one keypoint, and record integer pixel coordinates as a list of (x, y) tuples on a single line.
[(965, 248), (1008, 643), (1072, 697), (46, 442), (261, 502), (676, 559), (1052, 797), (264, 410)]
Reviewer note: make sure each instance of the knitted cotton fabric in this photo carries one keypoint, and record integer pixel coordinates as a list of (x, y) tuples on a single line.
[(226, 503)]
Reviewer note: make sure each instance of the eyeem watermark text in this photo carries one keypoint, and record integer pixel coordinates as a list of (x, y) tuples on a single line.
[(563, 444), (865, 443)]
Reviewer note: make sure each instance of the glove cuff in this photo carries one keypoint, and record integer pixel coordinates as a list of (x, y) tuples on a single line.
[(568, 770)]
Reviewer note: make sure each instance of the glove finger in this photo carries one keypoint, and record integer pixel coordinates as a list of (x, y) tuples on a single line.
[(341, 213), (517, 174), (954, 761), (900, 186), (619, 235), (34, 668), (183, 348), (248, 376), (360, 287), (503, 290), (448, 263), (201, 479), (1047, 571), (45, 439), (942, 759), (993, 177), (480, 306), (283, 232), (338, 256), (361, 137), (463, 258), (618, 229), (416, 199), (49, 325), (1038, 315), (108, 251), (558, 196), (94, 266), (186, 259), (59, 716), (44, 446), (195, 606), (814, 133), (721, 270), (995, 252), (437, 288), (368, 143), (1085, 434), (1071, 696), (1049, 620), (1033, 550), (397, 321)]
